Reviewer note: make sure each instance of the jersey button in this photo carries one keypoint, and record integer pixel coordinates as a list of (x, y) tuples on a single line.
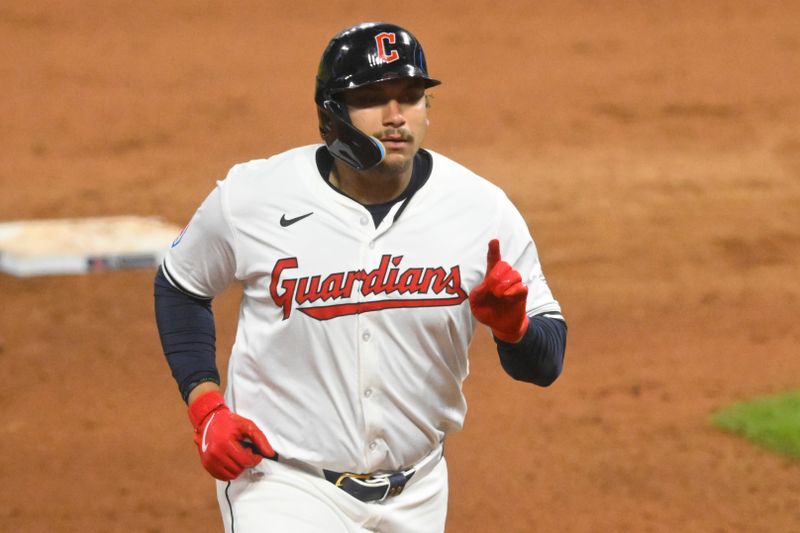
[(372, 244), (367, 393), (373, 445), (364, 220), (366, 336)]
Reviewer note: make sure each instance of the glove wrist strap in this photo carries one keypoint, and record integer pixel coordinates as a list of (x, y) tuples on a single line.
[(204, 405), (512, 337)]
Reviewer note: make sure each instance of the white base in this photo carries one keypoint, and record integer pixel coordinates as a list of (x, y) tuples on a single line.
[(77, 246)]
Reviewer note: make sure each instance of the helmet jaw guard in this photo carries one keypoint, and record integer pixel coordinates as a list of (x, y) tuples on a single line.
[(358, 56), (348, 143)]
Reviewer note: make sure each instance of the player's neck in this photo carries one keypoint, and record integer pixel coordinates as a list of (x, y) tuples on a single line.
[(375, 186)]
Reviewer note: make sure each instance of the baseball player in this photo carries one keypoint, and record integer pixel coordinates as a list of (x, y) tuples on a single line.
[(366, 263)]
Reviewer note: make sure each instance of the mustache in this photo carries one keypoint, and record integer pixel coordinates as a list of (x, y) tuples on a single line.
[(394, 134)]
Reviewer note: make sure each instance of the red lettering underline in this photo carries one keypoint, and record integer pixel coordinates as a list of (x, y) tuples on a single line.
[(326, 312)]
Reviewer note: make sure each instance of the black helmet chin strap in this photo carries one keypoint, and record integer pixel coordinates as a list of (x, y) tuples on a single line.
[(348, 143)]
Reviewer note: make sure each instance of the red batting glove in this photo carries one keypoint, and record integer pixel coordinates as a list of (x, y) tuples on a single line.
[(223, 437), (499, 301)]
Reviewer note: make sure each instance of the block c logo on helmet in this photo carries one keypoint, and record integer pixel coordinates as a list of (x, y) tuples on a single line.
[(380, 41)]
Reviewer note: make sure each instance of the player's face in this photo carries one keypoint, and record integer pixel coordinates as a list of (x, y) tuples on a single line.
[(396, 113)]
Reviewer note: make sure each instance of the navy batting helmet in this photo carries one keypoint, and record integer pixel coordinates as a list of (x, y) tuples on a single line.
[(361, 55), (369, 53)]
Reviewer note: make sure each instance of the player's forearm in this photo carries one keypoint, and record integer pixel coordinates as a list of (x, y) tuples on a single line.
[(188, 336), (539, 357)]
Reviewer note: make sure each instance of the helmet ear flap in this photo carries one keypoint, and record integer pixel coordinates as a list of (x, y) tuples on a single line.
[(325, 126), (346, 142)]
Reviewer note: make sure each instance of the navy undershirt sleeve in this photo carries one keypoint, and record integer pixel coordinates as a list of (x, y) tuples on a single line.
[(539, 357), (188, 335)]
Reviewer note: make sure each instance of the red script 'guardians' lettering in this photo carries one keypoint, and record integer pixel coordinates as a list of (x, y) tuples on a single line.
[(388, 278)]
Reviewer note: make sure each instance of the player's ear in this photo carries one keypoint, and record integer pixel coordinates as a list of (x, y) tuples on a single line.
[(428, 98)]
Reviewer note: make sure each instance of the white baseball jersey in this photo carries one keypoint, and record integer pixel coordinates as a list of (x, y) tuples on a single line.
[(352, 340)]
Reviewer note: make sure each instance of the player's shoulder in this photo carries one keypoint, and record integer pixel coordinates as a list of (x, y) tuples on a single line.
[(275, 167), (452, 174)]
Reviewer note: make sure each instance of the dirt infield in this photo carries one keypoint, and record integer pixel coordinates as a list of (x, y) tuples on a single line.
[(654, 151)]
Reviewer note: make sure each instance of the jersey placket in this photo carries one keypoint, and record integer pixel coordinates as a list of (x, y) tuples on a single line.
[(369, 353)]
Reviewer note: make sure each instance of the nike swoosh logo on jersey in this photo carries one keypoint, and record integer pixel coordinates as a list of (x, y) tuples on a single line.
[(204, 445), (285, 222)]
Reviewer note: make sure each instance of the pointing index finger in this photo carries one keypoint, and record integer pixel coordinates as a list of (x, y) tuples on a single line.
[(493, 255)]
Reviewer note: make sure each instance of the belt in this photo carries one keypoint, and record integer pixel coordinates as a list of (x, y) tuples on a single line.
[(378, 486), (375, 487)]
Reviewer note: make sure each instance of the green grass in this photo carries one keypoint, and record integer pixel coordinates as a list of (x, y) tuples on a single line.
[(772, 421)]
